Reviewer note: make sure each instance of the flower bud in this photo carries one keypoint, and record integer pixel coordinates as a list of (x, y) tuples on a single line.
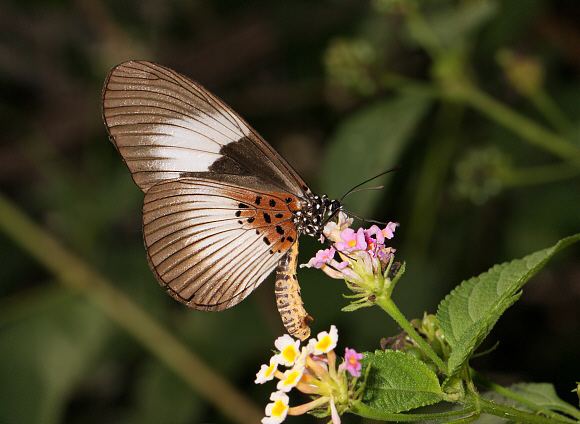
[(524, 73)]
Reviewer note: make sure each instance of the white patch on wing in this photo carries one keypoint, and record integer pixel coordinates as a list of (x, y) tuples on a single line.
[(168, 159), (205, 132), (178, 145)]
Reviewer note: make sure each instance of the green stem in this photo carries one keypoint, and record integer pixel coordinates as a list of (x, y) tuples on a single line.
[(73, 273), (362, 410), (406, 85), (510, 413), (436, 164), (421, 30), (540, 175), (510, 394), (387, 304), (547, 107), (519, 124)]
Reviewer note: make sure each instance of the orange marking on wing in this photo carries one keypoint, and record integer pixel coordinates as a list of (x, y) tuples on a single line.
[(271, 217)]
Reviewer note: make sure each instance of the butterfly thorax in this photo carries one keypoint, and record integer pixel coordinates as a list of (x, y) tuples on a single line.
[(314, 214)]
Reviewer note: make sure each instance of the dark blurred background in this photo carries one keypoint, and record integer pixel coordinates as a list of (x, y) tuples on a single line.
[(343, 90)]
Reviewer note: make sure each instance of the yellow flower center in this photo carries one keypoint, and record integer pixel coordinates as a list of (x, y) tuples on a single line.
[(270, 370), (292, 378), (324, 343), (351, 243), (278, 408), (289, 353), (352, 360)]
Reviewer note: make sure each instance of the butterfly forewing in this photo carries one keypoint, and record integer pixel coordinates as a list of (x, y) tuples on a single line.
[(166, 127), (211, 244)]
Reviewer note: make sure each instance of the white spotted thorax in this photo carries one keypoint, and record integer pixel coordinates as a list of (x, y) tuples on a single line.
[(315, 213)]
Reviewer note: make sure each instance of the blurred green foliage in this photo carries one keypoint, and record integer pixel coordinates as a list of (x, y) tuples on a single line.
[(360, 88)]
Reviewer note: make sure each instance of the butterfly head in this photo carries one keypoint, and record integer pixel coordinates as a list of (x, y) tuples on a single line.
[(315, 213), (334, 206)]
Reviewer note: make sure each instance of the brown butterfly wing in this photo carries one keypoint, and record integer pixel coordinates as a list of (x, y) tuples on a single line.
[(166, 126), (211, 243)]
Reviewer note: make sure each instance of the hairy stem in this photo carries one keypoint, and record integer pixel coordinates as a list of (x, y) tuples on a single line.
[(73, 273), (387, 304)]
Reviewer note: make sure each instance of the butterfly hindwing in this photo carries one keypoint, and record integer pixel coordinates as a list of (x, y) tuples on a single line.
[(210, 243), (166, 126)]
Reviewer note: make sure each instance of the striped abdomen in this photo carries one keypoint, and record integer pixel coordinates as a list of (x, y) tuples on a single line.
[(288, 300)]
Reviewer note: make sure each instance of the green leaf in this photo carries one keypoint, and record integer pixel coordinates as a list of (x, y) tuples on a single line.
[(470, 311), (454, 25), (370, 142), (542, 395), (355, 306), (398, 382)]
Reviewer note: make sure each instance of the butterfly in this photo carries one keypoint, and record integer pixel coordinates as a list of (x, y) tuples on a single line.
[(222, 209)]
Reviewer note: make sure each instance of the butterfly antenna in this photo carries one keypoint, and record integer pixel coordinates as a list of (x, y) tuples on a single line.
[(354, 189), (373, 221), (367, 188)]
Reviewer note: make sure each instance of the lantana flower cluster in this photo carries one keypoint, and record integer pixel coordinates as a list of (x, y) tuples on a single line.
[(360, 257), (311, 369)]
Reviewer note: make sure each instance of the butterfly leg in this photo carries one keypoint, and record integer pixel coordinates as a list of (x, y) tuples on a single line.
[(288, 299)]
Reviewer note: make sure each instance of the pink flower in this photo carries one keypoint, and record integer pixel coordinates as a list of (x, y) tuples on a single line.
[(389, 230), (351, 241), (378, 233), (352, 360), (385, 254), (322, 258)]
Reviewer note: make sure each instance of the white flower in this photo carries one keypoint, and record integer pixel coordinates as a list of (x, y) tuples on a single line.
[(277, 410), (326, 341), (266, 372), (290, 378), (289, 350), (333, 229), (304, 353)]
